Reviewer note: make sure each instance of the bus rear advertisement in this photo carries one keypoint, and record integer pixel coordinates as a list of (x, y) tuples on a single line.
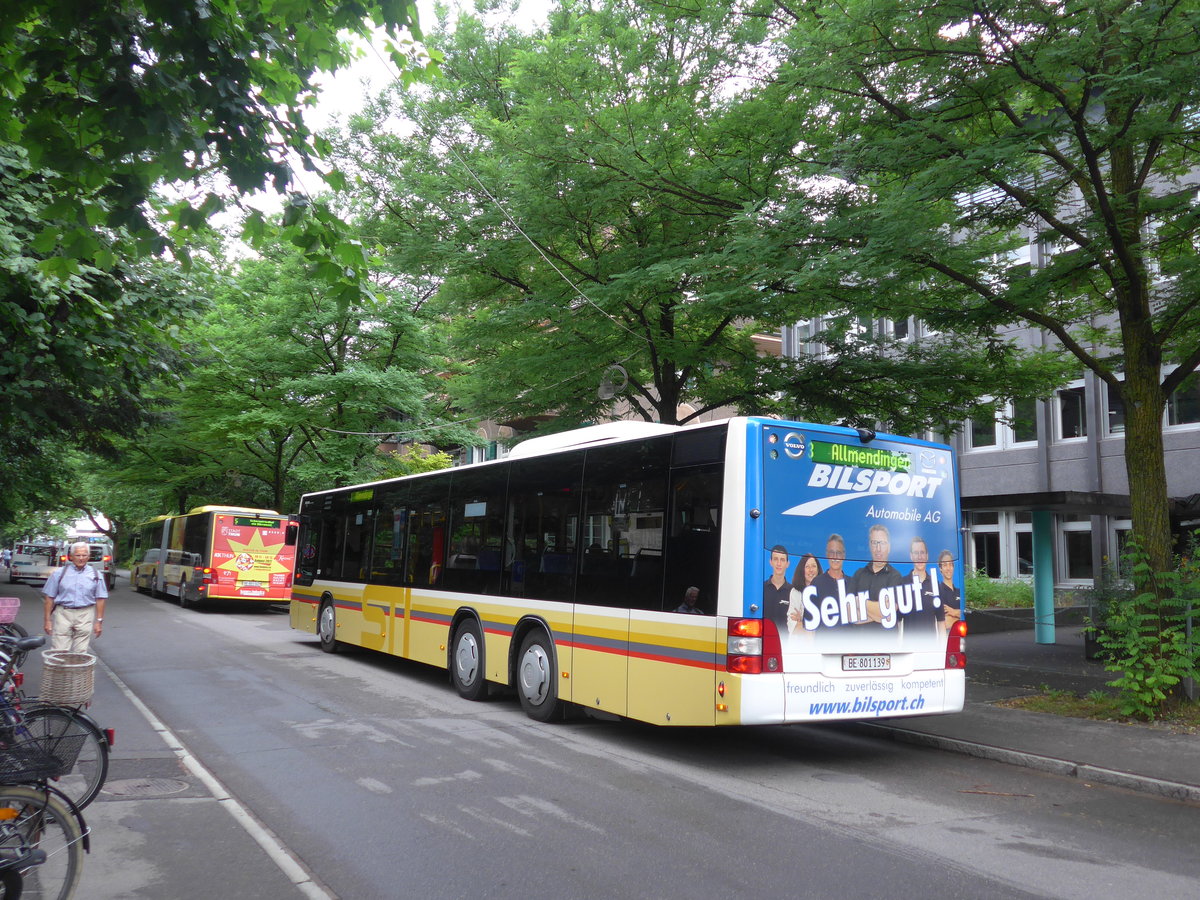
[(215, 553), (752, 571)]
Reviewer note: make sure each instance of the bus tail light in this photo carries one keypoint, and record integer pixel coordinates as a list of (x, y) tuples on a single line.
[(956, 646), (753, 647)]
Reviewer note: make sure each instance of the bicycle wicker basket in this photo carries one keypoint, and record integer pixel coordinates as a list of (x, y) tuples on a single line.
[(8, 608), (68, 678), (35, 758)]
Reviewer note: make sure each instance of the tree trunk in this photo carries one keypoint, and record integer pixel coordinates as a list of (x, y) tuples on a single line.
[(1146, 465)]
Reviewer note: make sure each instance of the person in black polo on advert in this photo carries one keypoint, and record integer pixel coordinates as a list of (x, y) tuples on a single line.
[(75, 596)]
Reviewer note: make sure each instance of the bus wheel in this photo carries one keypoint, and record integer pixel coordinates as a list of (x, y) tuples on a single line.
[(466, 661), (536, 684), (327, 627)]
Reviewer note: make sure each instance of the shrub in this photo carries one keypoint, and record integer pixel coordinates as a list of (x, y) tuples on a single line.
[(984, 593), (1147, 640)]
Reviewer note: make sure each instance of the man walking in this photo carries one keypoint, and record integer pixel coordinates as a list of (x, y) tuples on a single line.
[(75, 596)]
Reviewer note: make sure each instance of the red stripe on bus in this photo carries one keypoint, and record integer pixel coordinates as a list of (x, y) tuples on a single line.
[(653, 657)]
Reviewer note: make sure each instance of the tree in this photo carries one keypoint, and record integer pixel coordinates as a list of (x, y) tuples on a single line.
[(290, 391), (940, 139), (597, 195), (574, 193), (101, 106)]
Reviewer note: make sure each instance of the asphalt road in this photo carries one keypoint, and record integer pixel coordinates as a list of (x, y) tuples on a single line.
[(380, 782)]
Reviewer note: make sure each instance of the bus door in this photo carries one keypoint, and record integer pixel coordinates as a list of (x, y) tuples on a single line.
[(624, 508), (674, 654), (600, 657), (385, 601)]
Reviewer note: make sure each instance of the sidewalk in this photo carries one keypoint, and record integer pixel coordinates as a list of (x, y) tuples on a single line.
[(158, 828), (1009, 664)]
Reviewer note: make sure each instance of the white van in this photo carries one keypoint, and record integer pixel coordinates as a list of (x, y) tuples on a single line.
[(33, 561), (101, 559)]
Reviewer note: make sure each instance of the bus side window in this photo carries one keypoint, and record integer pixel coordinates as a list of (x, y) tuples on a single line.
[(391, 538), (694, 542), (624, 508), (426, 552), (360, 533), (543, 523)]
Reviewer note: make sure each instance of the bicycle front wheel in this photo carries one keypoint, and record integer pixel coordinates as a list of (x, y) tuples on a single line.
[(35, 819), (53, 726)]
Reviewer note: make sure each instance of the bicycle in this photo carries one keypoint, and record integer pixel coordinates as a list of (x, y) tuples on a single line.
[(43, 835), (66, 732), (42, 842)]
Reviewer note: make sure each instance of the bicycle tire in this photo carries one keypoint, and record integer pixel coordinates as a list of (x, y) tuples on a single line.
[(86, 777), (30, 817), (11, 884)]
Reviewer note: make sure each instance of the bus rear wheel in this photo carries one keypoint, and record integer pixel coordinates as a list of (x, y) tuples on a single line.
[(327, 627), (466, 661), (537, 687)]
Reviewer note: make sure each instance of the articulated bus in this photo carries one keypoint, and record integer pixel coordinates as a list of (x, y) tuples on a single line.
[(750, 571), (214, 553)]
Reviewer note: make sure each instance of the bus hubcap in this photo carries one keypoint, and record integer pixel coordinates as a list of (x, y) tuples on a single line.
[(535, 674), (466, 658)]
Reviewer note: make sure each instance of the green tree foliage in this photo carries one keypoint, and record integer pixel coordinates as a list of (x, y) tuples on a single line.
[(575, 192), (941, 137), (79, 343), (100, 106), (599, 193), (291, 391)]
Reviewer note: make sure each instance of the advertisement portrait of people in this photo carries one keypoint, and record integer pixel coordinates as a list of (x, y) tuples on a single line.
[(875, 511)]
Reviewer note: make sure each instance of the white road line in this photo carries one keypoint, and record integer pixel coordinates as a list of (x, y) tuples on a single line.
[(263, 836)]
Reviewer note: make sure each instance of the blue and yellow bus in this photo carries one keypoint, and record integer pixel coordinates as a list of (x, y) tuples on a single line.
[(749, 571)]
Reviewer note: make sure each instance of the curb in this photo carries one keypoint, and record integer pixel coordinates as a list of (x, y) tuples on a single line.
[(1187, 793)]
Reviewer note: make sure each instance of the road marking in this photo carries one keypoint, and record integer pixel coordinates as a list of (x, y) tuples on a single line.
[(275, 849)]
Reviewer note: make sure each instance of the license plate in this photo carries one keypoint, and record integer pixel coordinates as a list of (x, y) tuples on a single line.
[(878, 663)]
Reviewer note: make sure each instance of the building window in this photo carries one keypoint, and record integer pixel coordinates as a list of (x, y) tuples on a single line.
[(1116, 412), (1000, 544), (985, 542), (982, 433), (1024, 553), (1012, 425), (1077, 548), (1023, 537), (1115, 564), (1072, 413), (1024, 422), (1183, 406)]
